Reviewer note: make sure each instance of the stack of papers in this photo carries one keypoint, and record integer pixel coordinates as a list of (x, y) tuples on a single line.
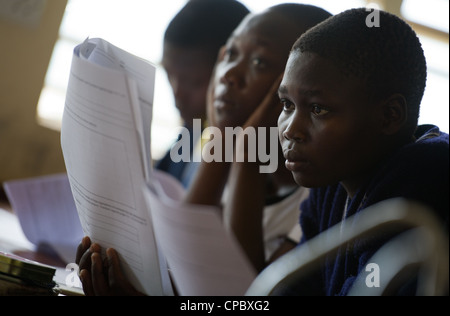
[(204, 260), (105, 138), (47, 213)]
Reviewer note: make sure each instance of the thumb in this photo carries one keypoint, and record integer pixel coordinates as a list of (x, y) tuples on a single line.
[(114, 272), (118, 283)]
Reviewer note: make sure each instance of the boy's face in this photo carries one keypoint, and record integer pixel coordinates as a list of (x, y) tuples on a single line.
[(329, 131), (189, 72), (254, 56)]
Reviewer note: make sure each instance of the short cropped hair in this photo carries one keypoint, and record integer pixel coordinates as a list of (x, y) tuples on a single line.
[(205, 24), (304, 16), (389, 58)]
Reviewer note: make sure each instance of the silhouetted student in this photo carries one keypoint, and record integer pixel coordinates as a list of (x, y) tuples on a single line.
[(192, 42), (351, 96), (243, 93)]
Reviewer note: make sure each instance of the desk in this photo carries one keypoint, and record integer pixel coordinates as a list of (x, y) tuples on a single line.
[(14, 241), (4, 204)]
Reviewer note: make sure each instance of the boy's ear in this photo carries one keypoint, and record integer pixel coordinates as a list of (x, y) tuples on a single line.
[(395, 114)]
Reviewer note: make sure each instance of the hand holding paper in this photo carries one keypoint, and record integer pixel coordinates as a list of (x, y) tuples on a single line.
[(106, 124)]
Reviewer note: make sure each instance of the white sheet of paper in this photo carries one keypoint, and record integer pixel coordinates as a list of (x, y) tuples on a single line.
[(141, 84), (101, 138), (12, 237), (203, 258), (46, 212)]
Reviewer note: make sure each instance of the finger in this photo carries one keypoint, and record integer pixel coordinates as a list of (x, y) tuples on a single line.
[(114, 272), (86, 281), (273, 106), (118, 283), (272, 96), (85, 261), (266, 115), (95, 248), (99, 282), (276, 84), (81, 249)]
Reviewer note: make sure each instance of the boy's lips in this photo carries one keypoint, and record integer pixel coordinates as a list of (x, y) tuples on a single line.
[(295, 162), (223, 102), (296, 166)]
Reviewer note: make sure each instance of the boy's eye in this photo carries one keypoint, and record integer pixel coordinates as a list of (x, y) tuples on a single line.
[(229, 54), (287, 105), (258, 62), (317, 110)]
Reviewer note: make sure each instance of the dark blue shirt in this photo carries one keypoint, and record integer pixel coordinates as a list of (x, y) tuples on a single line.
[(418, 171)]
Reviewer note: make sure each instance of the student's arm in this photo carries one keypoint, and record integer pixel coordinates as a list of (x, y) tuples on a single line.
[(244, 210), (208, 184), (248, 187)]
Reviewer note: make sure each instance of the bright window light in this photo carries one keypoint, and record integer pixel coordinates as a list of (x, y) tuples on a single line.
[(431, 13)]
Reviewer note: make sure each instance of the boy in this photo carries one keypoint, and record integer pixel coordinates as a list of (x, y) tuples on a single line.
[(351, 96), (192, 42)]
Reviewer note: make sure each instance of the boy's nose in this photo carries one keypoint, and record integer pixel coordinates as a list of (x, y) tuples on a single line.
[(295, 129), (232, 76)]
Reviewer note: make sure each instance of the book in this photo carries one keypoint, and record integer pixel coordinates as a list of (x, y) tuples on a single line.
[(20, 276), (121, 201)]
